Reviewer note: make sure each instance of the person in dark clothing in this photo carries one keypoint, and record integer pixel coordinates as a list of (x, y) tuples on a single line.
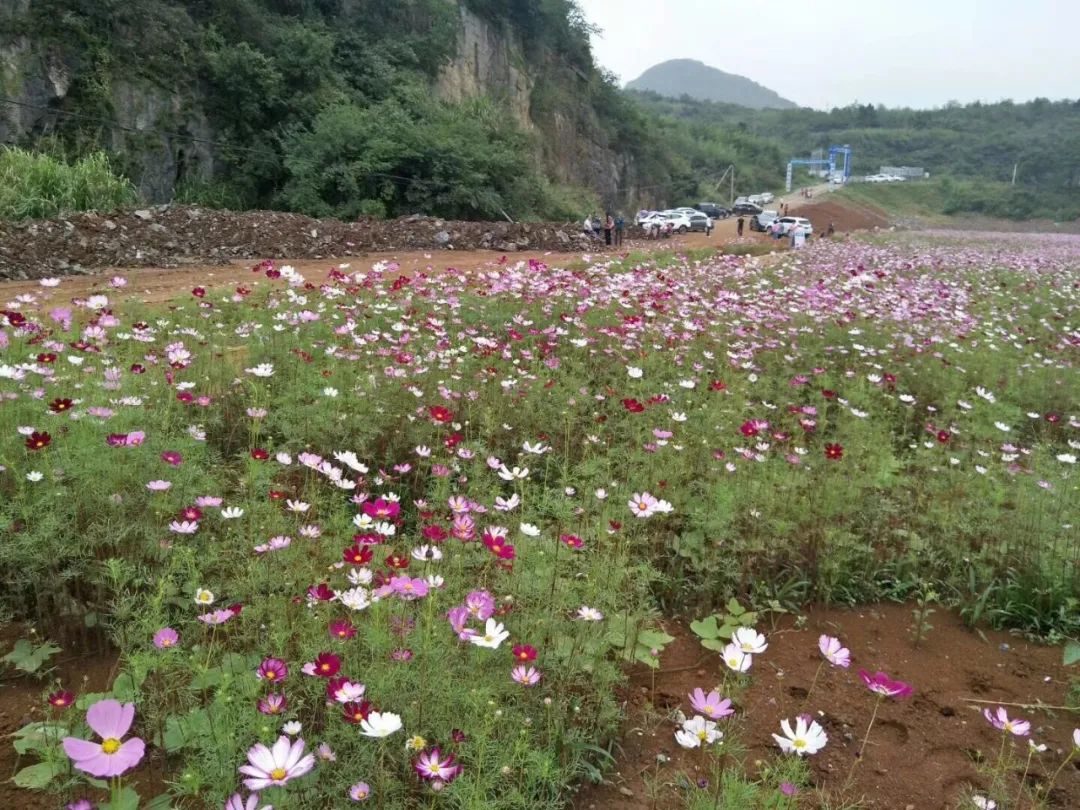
[(832, 229), (739, 226), (609, 226), (620, 227)]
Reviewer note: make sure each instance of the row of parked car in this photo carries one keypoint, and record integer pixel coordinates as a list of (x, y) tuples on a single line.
[(883, 178), (762, 222), (702, 215)]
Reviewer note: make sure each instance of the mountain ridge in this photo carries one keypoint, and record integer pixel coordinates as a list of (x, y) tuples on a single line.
[(691, 77)]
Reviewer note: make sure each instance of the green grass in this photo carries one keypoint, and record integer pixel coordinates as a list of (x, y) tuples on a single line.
[(38, 186)]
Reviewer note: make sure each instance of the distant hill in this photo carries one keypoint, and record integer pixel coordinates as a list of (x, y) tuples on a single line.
[(679, 77)]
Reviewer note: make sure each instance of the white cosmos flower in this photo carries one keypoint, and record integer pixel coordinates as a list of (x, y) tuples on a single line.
[(507, 504), (687, 383), (204, 597), (750, 640), (292, 728), (380, 724), (735, 659), (1002, 427), (330, 392), (518, 473), (360, 576), (634, 372), (34, 475), (232, 512), (804, 739), (355, 598), (1066, 458), (261, 370), (283, 458), (349, 459), (529, 530), (678, 416), (494, 635), (297, 506), (987, 395), (423, 451), (536, 449), (698, 731), (588, 614)]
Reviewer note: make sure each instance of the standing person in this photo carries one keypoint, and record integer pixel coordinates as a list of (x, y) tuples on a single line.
[(708, 225), (620, 226), (832, 229), (739, 226), (609, 226), (586, 226)]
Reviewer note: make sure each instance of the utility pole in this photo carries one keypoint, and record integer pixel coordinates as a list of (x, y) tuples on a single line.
[(730, 170), (1015, 167)]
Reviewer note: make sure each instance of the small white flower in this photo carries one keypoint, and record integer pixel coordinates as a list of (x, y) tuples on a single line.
[(292, 728), (1066, 458), (678, 416), (494, 634), (529, 530), (261, 370), (634, 372), (1002, 427), (330, 392), (232, 512), (204, 597), (34, 475)]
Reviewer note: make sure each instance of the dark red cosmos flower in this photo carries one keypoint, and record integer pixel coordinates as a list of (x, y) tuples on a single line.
[(327, 665), (1053, 418), (751, 428), (259, 454), (199, 292), (354, 713), (191, 513), (498, 546), (434, 533), (658, 399), (633, 405), (341, 629), (453, 440), (457, 735), (828, 394), (320, 592), (367, 539), (943, 436), (614, 525), (357, 555), (38, 441), (61, 699), (236, 608), (138, 368), (834, 452), (172, 457), (276, 494), (397, 561), (524, 652), (46, 357), (59, 405), (718, 385), (440, 415), (186, 397), (116, 439)]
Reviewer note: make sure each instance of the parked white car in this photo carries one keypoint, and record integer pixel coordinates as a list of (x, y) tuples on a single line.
[(680, 222), (788, 224)]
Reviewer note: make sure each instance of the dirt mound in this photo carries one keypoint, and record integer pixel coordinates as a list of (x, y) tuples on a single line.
[(846, 216), (173, 235)]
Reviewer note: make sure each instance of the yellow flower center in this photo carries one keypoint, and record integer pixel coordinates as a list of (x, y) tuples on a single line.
[(701, 735), (111, 745), (642, 505), (800, 743), (278, 774)]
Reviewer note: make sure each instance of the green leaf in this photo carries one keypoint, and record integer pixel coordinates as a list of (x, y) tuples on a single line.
[(126, 686), (162, 802), (1072, 653), (654, 638), (705, 628), (126, 799), (28, 657), (713, 644), (38, 736), (181, 732), (38, 776), (734, 608)]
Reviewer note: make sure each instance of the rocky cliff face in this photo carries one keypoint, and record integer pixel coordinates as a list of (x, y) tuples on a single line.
[(491, 61), (165, 137), (161, 132)]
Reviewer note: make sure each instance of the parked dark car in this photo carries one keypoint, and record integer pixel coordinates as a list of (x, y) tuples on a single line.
[(746, 209), (713, 210)]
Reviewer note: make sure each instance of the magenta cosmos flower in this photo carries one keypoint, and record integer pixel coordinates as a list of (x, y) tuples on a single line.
[(1000, 720), (885, 686), (431, 765), (237, 802), (110, 720), (272, 670), (270, 767)]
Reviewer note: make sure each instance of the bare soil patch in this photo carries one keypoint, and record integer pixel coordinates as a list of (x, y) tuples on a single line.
[(923, 751)]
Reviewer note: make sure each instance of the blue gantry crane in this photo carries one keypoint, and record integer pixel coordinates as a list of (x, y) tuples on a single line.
[(835, 152)]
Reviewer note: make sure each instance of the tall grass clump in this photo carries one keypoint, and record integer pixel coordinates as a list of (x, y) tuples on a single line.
[(39, 186)]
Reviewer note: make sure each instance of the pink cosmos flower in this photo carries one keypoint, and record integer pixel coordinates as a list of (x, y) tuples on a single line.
[(217, 616), (834, 652), (885, 686), (271, 767), (480, 604), (237, 802), (110, 720), (159, 486), (526, 676), (360, 792), (273, 703), (710, 705), (1000, 720), (172, 457), (166, 637), (184, 526)]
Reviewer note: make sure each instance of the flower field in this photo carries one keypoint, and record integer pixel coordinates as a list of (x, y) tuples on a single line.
[(387, 539)]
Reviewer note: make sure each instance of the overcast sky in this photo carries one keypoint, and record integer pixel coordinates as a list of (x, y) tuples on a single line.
[(916, 53)]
